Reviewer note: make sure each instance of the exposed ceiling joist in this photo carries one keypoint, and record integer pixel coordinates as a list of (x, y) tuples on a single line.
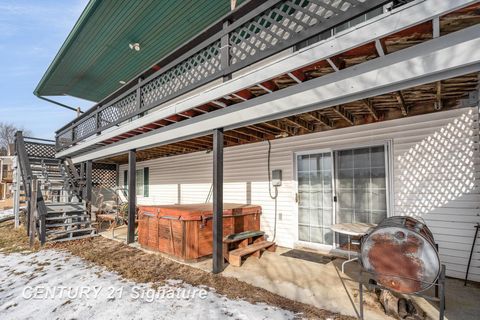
[(238, 135), (436, 27), (268, 86), (438, 96), (300, 123), (333, 65), (322, 119), (380, 47), (297, 75), (401, 102), (369, 106), (254, 133), (243, 95), (344, 114), (219, 103)]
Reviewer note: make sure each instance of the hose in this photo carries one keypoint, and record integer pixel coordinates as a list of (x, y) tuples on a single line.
[(274, 196)]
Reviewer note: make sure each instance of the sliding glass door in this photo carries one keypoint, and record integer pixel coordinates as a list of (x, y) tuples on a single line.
[(315, 193), (340, 186), (361, 188)]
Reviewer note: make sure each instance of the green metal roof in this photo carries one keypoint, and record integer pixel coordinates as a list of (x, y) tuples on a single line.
[(96, 54)]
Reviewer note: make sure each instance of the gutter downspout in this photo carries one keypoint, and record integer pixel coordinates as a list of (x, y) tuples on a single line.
[(77, 110)]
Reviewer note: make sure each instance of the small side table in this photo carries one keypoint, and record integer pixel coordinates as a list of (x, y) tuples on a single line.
[(351, 229)]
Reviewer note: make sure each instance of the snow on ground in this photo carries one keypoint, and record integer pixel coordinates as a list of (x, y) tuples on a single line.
[(5, 213), (55, 285)]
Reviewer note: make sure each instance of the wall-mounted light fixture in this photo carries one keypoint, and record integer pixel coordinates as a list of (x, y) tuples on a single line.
[(134, 46)]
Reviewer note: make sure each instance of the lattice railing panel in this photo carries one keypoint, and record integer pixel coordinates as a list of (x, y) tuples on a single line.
[(39, 150), (280, 23), (85, 128), (267, 31), (65, 138), (104, 174), (119, 110), (201, 66)]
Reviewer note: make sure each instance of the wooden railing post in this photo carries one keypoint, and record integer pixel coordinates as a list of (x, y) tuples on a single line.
[(88, 186), (16, 192), (225, 52), (33, 211)]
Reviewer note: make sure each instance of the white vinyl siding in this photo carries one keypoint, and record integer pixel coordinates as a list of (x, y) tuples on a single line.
[(436, 171)]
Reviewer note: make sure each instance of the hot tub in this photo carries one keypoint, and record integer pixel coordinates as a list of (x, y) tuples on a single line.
[(185, 231)]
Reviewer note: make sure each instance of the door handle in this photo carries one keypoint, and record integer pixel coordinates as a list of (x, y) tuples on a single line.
[(334, 198), (297, 197)]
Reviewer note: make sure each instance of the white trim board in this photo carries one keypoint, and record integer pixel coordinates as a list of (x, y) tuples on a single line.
[(438, 59), (387, 23)]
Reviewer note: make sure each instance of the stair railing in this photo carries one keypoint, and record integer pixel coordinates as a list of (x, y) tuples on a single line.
[(36, 209)]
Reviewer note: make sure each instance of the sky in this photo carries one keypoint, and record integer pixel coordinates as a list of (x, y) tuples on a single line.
[(31, 33)]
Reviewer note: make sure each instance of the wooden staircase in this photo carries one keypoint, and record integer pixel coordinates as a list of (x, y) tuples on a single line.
[(67, 221), (53, 189)]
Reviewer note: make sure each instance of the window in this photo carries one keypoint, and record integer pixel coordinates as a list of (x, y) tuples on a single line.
[(142, 187), (140, 182)]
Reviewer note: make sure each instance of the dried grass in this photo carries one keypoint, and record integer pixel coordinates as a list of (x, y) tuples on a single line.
[(14, 240), (137, 265)]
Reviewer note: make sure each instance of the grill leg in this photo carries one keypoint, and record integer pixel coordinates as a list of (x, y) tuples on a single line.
[(441, 285), (360, 289)]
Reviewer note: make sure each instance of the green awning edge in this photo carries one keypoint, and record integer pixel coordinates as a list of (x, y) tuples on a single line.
[(79, 25)]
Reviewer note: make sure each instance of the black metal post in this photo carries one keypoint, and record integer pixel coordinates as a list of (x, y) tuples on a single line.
[(88, 185), (217, 200), (132, 195), (360, 289), (471, 253), (441, 284)]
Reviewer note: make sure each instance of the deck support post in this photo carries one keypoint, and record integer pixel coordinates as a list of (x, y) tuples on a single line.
[(16, 192), (218, 200), (88, 185), (132, 195)]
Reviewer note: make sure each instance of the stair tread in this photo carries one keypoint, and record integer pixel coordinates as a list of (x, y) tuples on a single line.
[(235, 237), (69, 231), (74, 238), (54, 225), (251, 248), (67, 217)]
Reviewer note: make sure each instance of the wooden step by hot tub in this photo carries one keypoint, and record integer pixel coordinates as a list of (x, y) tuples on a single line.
[(185, 231)]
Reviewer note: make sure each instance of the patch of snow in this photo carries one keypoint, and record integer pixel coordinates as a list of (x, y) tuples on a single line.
[(5, 213), (25, 277)]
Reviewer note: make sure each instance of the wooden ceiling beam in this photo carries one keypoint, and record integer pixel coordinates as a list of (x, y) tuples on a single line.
[(219, 103), (267, 134), (438, 96), (369, 106), (401, 102), (277, 125), (194, 144), (322, 119), (254, 133), (344, 114), (380, 47), (268, 86), (297, 75), (239, 136), (243, 95), (336, 63), (300, 123)]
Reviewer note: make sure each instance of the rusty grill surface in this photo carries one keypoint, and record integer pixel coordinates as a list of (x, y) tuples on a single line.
[(401, 254)]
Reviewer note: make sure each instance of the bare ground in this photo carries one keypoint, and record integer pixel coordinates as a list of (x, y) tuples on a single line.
[(142, 267)]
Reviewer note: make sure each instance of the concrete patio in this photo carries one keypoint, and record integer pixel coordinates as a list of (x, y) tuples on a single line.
[(324, 286)]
